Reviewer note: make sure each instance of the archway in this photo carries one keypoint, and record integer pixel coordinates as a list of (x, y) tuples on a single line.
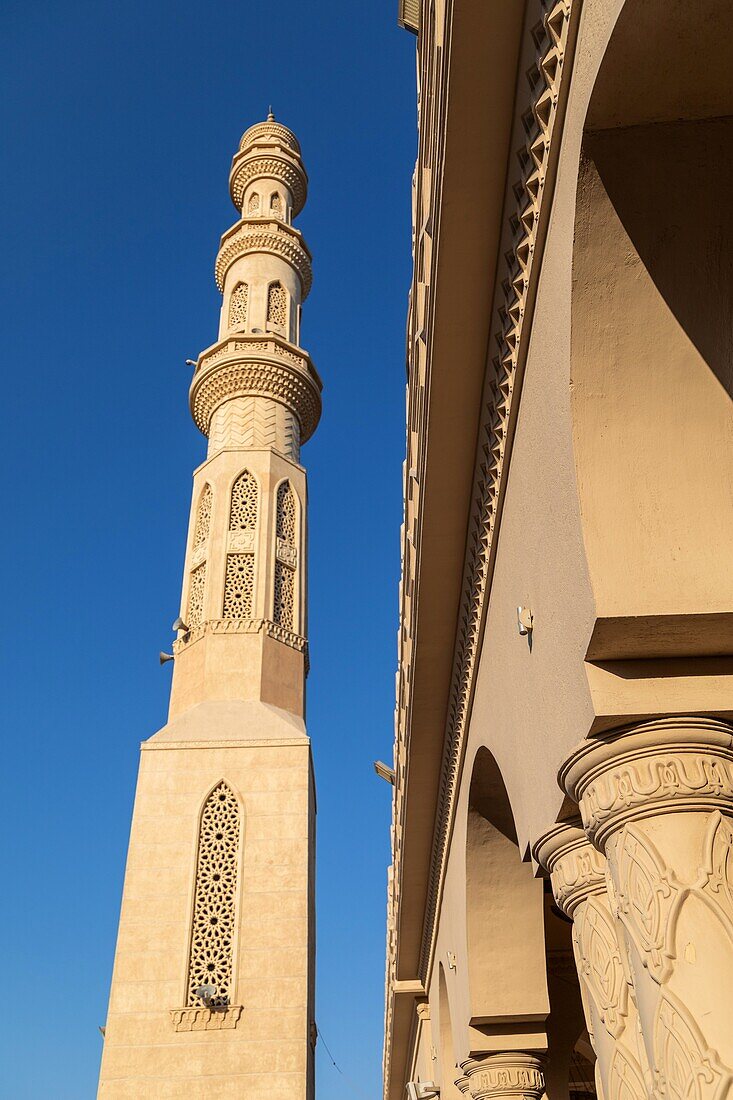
[(504, 910)]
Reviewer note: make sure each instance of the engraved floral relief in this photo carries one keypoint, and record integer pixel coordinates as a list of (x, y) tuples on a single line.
[(601, 969), (686, 1068), (625, 1080), (716, 876), (646, 895)]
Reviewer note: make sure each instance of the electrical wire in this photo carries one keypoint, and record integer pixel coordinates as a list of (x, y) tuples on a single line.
[(338, 1067)]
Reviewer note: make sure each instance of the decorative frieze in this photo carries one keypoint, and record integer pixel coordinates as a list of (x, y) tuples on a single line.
[(509, 1075), (241, 626), (651, 768), (248, 373), (259, 235), (206, 1019)]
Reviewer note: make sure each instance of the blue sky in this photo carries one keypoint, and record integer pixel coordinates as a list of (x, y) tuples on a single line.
[(119, 124)]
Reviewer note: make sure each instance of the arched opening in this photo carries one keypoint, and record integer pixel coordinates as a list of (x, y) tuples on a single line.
[(239, 581), (277, 308), (213, 921), (652, 330), (504, 910), (238, 304), (285, 608), (448, 1067)]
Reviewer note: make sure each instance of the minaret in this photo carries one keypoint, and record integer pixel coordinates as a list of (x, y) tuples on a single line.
[(212, 990)]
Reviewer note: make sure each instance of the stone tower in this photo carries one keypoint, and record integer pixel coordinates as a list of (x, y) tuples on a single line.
[(212, 990)]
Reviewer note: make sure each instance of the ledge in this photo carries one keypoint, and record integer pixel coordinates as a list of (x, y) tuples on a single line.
[(200, 1018)]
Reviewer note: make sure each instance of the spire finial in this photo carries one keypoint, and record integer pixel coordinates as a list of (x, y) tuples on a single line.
[(270, 116)]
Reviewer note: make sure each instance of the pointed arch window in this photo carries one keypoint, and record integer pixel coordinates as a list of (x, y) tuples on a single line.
[(197, 575), (253, 204), (276, 204), (239, 582), (238, 302), (286, 557), (213, 920), (277, 305)]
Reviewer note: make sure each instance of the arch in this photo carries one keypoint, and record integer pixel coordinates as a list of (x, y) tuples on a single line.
[(449, 1070), (244, 506), (504, 908), (238, 305), (277, 305), (239, 580), (215, 896), (197, 573), (253, 205), (652, 313), (285, 596), (276, 204)]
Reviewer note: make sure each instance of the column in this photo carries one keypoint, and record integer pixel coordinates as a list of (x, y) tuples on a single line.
[(578, 875), (657, 799), (509, 1075)]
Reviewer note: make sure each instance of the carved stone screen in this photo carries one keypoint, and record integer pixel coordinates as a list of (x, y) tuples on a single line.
[(213, 922)]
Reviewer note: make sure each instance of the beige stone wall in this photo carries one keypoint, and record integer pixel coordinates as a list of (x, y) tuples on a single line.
[(266, 1054)]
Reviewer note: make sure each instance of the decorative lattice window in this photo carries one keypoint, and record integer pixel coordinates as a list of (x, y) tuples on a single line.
[(243, 511), (253, 205), (203, 518), (239, 586), (213, 922), (277, 304), (238, 306), (284, 609), (286, 513), (196, 588), (276, 204)]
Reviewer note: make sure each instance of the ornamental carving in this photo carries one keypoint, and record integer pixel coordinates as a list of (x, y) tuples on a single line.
[(206, 1019), (242, 541), (626, 1081), (251, 168), (253, 377), (213, 923), (599, 964), (576, 869), (646, 784), (686, 1068), (510, 1075), (242, 626), (276, 238), (646, 895)]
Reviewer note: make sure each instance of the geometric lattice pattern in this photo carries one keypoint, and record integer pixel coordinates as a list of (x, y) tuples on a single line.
[(276, 205), (203, 518), (213, 924), (239, 586), (196, 587), (285, 521), (243, 513), (253, 206), (284, 603), (238, 306), (277, 304)]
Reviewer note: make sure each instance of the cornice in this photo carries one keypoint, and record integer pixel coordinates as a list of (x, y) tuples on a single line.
[(264, 235), (663, 766), (248, 166), (241, 626), (244, 366), (526, 221)]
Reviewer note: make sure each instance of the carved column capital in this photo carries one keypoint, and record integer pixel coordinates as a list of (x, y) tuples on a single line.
[(640, 771), (462, 1084), (512, 1074), (576, 869)]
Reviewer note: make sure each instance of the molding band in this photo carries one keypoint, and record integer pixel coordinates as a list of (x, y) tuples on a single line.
[(264, 235), (230, 372), (246, 168), (509, 1075), (643, 770)]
